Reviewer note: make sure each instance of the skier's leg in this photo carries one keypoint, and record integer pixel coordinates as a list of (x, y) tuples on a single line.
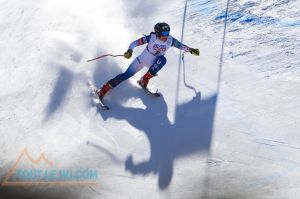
[(158, 64), (133, 68)]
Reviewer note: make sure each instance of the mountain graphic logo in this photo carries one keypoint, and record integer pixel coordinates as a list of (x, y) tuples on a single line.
[(24, 155)]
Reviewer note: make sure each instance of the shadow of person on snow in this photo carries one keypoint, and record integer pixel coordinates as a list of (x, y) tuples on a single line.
[(62, 85), (190, 133)]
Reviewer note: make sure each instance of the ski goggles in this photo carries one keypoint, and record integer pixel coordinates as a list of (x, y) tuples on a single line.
[(165, 33)]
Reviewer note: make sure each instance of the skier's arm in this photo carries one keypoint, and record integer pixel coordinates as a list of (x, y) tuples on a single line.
[(185, 48), (179, 45), (139, 42)]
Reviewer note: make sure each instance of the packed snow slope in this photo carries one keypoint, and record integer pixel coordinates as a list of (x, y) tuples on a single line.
[(227, 125)]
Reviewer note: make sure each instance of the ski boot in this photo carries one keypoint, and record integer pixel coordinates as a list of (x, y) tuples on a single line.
[(101, 92), (143, 82)]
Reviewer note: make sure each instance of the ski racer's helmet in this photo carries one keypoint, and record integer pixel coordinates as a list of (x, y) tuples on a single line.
[(162, 29)]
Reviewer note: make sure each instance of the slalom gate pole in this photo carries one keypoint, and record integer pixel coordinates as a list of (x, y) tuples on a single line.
[(184, 76)]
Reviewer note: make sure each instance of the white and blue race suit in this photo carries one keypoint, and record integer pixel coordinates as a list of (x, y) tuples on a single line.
[(152, 56)]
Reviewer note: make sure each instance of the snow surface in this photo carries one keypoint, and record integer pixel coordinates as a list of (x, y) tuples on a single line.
[(236, 136)]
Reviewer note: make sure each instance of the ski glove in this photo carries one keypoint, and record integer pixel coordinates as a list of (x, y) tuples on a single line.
[(128, 54), (194, 51)]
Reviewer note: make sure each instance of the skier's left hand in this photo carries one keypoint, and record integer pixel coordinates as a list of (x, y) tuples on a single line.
[(195, 51)]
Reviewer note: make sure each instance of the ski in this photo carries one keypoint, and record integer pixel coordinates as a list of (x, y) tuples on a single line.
[(96, 98), (150, 91)]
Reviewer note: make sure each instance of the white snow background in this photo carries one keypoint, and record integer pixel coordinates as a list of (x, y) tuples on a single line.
[(226, 126)]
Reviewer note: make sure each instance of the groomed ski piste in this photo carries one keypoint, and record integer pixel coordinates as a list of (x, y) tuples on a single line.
[(227, 123)]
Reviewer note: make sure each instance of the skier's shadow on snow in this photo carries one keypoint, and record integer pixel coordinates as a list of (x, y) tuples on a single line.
[(58, 95), (190, 133)]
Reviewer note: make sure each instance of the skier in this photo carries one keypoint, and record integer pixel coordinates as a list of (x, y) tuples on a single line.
[(152, 57)]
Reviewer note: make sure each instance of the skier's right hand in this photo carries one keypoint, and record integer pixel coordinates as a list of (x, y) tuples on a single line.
[(128, 54)]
